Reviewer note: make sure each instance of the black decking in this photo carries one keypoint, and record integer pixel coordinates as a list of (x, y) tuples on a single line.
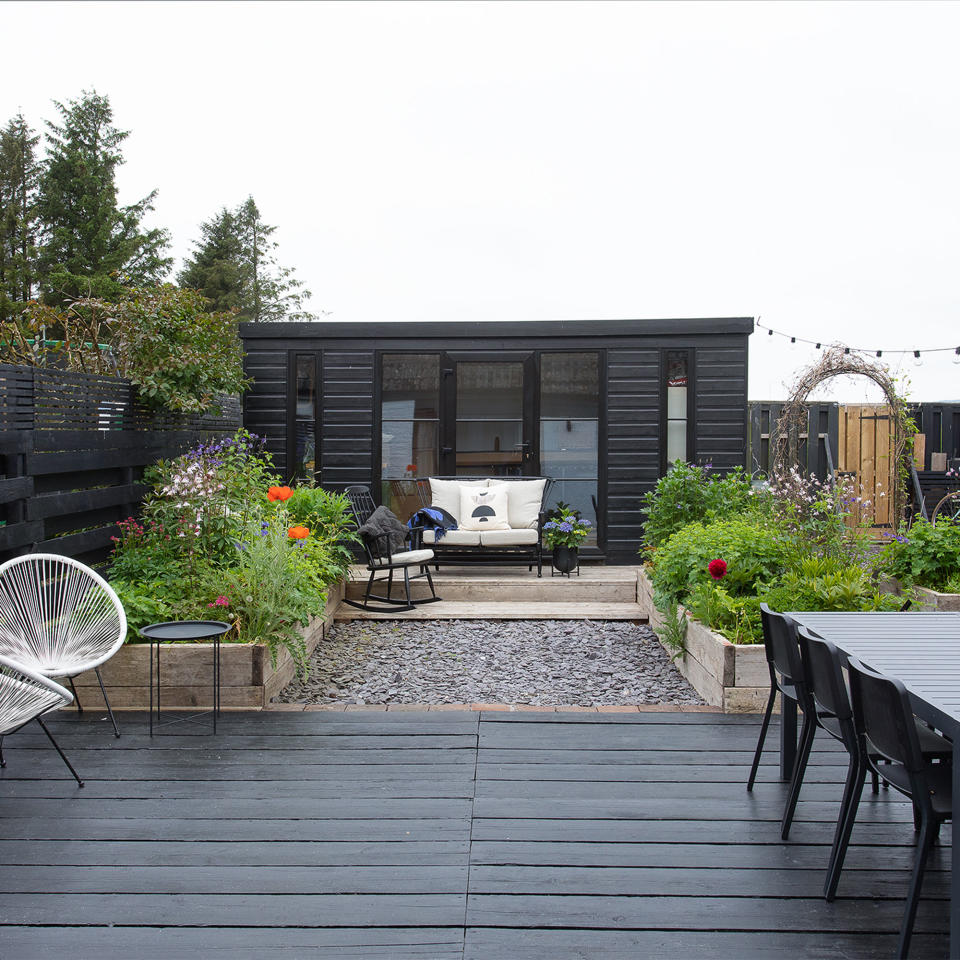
[(442, 835)]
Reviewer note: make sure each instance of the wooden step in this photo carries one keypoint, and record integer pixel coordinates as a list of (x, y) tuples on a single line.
[(510, 610), (517, 585)]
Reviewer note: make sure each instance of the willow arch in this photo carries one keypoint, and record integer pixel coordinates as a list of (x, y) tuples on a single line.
[(836, 361)]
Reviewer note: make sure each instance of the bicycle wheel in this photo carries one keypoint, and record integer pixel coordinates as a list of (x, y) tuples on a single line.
[(948, 508)]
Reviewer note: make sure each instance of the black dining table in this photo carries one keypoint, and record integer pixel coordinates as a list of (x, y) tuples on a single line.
[(922, 650)]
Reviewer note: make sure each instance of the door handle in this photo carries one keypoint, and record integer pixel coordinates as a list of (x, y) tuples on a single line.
[(446, 449)]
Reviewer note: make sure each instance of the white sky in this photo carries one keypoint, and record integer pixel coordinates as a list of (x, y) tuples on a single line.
[(538, 161)]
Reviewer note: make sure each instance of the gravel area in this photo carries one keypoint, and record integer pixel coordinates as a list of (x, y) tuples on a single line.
[(539, 662)]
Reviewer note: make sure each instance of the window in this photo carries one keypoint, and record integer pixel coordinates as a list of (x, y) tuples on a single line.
[(570, 429), (305, 418), (409, 422), (677, 376)]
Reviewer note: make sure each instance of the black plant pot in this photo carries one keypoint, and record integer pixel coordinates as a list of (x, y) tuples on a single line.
[(565, 560)]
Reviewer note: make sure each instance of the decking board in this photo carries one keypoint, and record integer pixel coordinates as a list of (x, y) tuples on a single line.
[(441, 836)]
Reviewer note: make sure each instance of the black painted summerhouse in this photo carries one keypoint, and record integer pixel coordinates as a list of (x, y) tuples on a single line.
[(600, 406)]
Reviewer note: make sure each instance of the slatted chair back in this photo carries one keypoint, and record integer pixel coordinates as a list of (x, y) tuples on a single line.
[(361, 503), (883, 714), (780, 644), (824, 675), (57, 616), (376, 548)]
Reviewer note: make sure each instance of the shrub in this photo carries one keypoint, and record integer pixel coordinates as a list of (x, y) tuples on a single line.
[(217, 541), (828, 583), (162, 338), (690, 493), (929, 556), (754, 550)]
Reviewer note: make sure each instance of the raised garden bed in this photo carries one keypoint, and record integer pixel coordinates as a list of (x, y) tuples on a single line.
[(248, 681), (733, 676)]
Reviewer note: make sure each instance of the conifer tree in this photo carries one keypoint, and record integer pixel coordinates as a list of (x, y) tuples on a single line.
[(216, 268), (19, 177), (91, 245), (235, 266)]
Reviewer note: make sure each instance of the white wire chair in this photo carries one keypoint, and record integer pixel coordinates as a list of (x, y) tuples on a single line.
[(59, 618), (24, 696)]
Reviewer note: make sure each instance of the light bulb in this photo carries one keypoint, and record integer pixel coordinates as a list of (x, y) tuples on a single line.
[(956, 356), (917, 362)]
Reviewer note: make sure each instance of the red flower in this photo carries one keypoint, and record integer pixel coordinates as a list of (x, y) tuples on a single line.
[(279, 493), (717, 568), (298, 533)]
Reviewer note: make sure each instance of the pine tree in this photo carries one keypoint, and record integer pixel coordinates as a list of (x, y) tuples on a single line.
[(91, 245), (215, 269), (235, 267), (19, 177)]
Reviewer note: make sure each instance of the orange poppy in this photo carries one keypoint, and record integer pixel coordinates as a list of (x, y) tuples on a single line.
[(279, 493), (298, 533)]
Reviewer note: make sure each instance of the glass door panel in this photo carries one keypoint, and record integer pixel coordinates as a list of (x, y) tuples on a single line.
[(493, 417)]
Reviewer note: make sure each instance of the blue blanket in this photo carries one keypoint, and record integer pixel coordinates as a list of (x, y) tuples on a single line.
[(435, 519)]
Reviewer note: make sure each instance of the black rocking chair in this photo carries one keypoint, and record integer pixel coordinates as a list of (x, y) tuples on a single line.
[(382, 560)]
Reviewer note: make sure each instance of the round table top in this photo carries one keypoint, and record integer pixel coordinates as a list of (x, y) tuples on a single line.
[(184, 630)]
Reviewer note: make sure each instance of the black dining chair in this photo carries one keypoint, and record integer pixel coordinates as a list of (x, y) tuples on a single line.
[(823, 673), (783, 662), (886, 728)]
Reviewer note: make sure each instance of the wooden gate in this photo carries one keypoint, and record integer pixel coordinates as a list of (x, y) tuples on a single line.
[(866, 453)]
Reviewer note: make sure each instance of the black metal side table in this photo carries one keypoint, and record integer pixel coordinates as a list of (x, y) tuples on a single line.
[(185, 630)]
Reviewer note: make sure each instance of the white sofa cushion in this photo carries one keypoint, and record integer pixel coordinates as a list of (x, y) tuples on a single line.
[(507, 538), (454, 538), (523, 502), (484, 509), (446, 494)]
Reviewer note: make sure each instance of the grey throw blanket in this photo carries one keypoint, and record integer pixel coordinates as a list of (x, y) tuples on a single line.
[(381, 522)]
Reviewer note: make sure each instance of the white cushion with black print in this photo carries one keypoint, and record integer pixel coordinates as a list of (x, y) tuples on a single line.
[(484, 509)]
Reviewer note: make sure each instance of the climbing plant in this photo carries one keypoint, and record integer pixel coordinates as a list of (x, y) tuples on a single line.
[(837, 361)]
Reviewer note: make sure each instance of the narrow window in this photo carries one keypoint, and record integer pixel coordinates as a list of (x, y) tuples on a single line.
[(305, 418), (677, 370)]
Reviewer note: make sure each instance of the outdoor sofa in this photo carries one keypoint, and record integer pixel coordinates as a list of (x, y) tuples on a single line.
[(499, 519)]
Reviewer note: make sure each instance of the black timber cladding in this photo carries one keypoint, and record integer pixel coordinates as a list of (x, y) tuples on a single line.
[(630, 447)]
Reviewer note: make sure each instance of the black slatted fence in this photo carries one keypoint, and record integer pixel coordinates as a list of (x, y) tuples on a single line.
[(73, 448), (822, 427)]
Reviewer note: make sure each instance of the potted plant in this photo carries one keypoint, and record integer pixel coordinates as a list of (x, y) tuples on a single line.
[(564, 533)]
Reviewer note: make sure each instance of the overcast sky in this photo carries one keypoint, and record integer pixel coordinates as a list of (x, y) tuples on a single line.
[(467, 162)]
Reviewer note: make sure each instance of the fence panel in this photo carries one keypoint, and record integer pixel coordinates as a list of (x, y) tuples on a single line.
[(73, 448), (822, 424)]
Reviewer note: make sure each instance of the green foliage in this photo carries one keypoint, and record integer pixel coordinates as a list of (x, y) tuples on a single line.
[(179, 356), (329, 519), (754, 550), (202, 498), (688, 494), (736, 617), (92, 247), (828, 583), (235, 266), (19, 180), (272, 588), (928, 556), (674, 630), (211, 546)]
